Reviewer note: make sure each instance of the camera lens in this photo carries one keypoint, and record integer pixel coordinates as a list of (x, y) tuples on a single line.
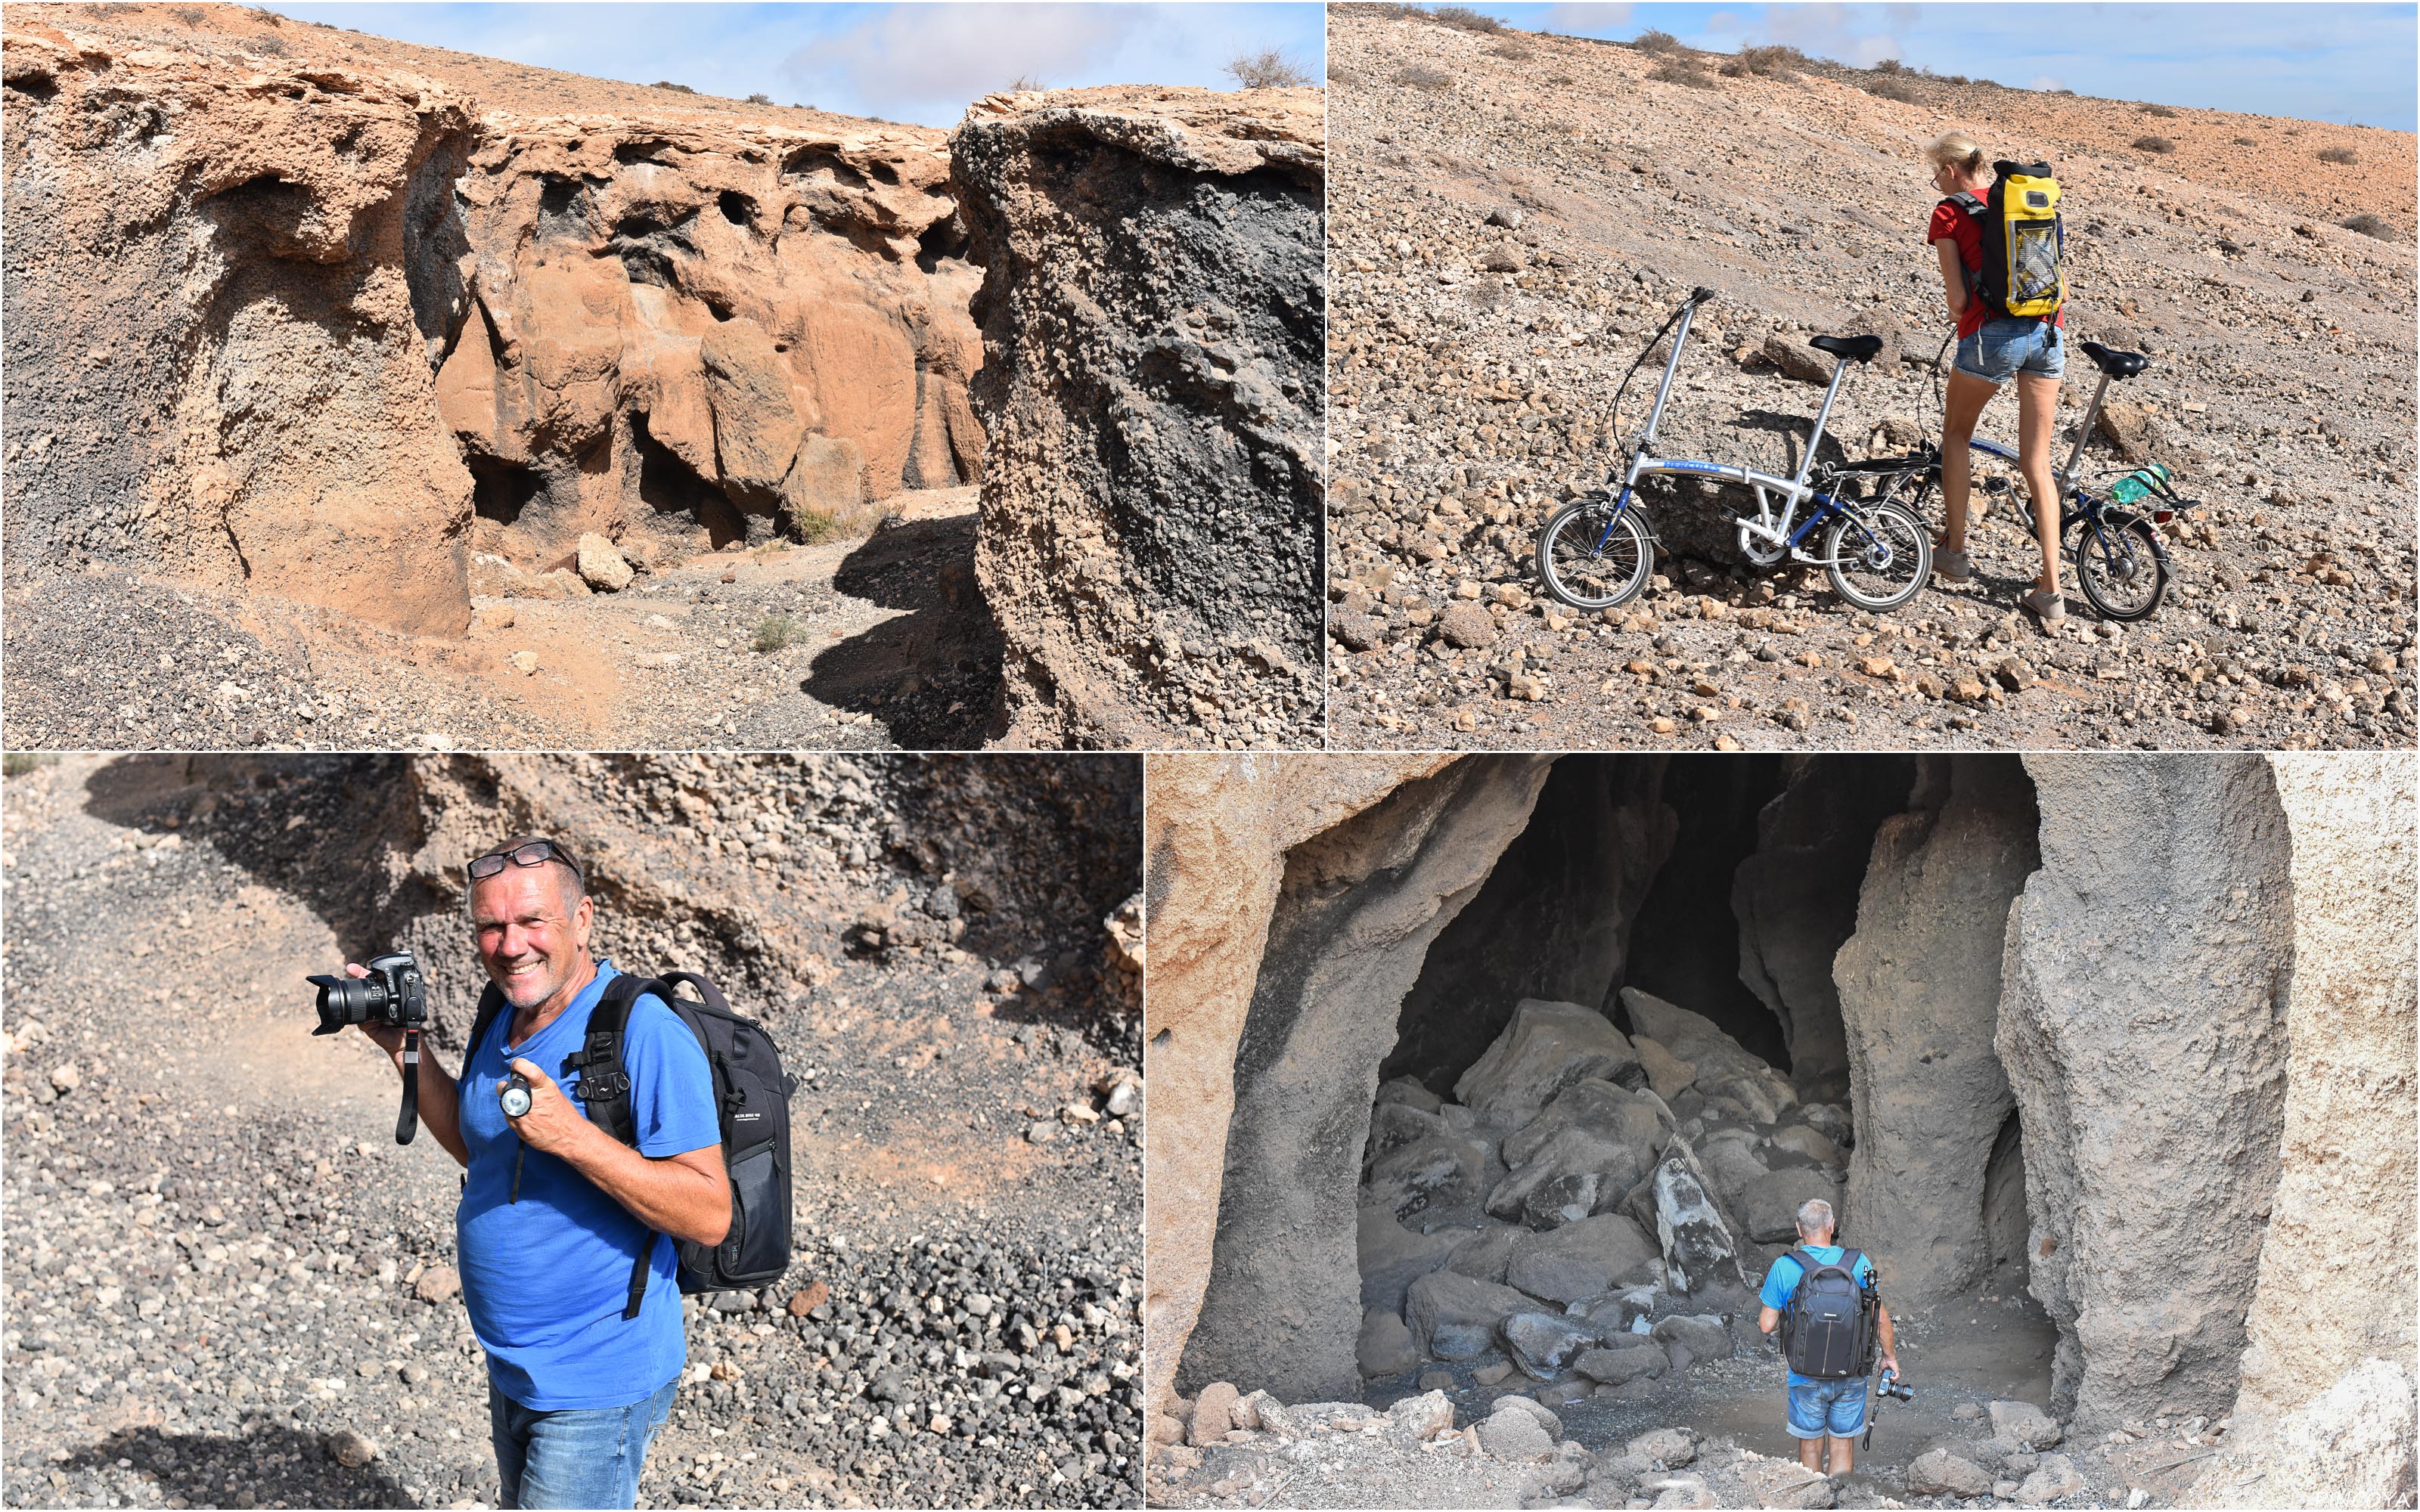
[(348, 1000)]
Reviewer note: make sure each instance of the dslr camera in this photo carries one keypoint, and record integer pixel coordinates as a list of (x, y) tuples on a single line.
[(391, 993), (1890, 1385)]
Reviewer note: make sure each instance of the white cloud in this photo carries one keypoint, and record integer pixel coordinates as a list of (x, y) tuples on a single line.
[(2045, 82), (901, 60)]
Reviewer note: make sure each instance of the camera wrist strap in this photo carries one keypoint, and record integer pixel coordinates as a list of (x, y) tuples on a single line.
[(407, 1122)]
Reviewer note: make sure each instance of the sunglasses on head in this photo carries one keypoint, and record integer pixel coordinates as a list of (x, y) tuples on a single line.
[(535, 852)]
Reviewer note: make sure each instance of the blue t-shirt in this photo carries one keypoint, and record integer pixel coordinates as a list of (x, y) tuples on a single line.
[(1782, 1280), (545, 1278)]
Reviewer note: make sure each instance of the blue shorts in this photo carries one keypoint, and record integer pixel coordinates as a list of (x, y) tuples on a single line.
[(2001, 350), (1837, 1408)]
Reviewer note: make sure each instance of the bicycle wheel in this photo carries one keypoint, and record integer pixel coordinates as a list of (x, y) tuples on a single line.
[(1879, 558), (1587, 566), (2118, 564)]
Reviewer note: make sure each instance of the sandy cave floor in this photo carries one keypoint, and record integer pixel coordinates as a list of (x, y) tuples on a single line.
[(895, 651), (1974, 1349)]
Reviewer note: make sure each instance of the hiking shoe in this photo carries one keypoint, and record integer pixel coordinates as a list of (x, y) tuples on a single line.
[(1952, 567), (2048, 608)]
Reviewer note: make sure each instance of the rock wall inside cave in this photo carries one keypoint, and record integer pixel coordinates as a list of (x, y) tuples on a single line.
[(2065, 1010), (1154, 316), (376, 325)]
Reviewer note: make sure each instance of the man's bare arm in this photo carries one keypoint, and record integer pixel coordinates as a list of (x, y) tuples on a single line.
[(687, 1195), (1769, 1319)]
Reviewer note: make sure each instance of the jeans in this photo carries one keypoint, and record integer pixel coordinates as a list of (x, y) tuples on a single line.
[(1833, 1408), (578, 1458), (2002, 348)]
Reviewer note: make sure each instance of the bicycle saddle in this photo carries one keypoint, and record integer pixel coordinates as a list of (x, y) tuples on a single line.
[(1849, 349), (2117, 364)]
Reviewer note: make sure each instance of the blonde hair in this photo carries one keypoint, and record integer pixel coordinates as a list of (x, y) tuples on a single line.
[(1958, 150)]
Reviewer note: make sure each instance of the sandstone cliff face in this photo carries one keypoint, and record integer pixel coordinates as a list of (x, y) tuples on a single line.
[(217, 353), (340, 313), (683, 333), (1153, 323)]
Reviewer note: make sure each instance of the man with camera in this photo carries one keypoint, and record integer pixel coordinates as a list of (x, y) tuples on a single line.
[(581, 1363), (1826, 1296)]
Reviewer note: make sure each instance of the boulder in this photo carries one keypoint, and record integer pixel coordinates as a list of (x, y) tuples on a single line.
[(1396, 1123), (1393, 1257), (1696, 1039), (1680, 1491), (1940, 1473), (1487, 1253), (1610, 1112), (756, 421), (1409, 1091), (2024, 1424), (1697, 1244), (1573, 1174), (1579, 1259), (1453, 1316), (1544, 1344), (2056, 1478), (1213, 1414), (1626, 1359), (1422, 1418), (1669, 1447), (1667, 1072), (1547, 1048), (2351, 1446), (1439, 1172), (1385, 1347), (1705, 1337), (1467, 626), (1786, 1483), (1536, 1411), (1801, 1140), (1730, 1161), (1796, 359), (602, 566), (1768, 1209), (825, 486), (1515, 1436)]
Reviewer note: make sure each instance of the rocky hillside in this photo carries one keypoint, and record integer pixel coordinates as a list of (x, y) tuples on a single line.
[(1155, 320), (247, 1292), (1357, 1201), (1515, 214)]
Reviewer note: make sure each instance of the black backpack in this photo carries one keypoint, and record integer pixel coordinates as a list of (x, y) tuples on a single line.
[(2024, 243), (753, 1108), (1831, 1318)]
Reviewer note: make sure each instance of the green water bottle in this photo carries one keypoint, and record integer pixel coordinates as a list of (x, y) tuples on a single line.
[(2136, 483)]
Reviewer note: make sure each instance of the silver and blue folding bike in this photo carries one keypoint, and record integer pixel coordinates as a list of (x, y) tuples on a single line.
[(1599, 550)]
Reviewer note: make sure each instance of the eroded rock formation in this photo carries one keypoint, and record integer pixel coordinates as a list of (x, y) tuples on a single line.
[(323, 296), (1154, 320), (2142, 1029), (1919, 992), (2181, 1186)]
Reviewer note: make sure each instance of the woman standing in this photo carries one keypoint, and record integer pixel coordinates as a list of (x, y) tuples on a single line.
[(1993, 347)]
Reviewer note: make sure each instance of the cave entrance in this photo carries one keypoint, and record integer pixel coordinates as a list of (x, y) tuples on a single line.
[(1622, 1063)]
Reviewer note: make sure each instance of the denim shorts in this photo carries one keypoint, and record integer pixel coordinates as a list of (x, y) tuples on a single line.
[(588, 1457), (2001, 350), (1837, 1408)]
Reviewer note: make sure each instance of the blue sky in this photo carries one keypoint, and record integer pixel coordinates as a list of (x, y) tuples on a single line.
[(910, 62), (2351, 64)]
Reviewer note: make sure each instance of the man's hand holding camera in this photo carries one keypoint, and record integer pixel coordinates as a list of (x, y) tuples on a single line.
[(552, 1126)]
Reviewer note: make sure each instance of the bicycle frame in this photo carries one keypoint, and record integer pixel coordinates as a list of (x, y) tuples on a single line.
[(1783, 531)]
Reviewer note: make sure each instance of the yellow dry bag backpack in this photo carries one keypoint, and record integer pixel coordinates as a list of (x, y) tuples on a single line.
[(2022, 240)]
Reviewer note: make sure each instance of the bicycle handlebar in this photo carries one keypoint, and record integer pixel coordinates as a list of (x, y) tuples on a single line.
[(1701, 295)]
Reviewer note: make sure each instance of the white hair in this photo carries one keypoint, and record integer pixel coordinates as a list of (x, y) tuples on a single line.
[(567, 883), (1814, 1216)]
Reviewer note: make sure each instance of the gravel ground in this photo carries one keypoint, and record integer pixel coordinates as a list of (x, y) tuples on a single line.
[(891, 648), (222, 1269), (1473, 364)]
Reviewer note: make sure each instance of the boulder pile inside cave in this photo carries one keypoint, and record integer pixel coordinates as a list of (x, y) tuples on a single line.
[(1596, 1208)]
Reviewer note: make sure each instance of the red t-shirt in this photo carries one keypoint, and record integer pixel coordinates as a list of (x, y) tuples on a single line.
[(1950, 224)]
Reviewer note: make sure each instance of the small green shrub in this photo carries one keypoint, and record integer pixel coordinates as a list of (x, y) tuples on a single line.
[(760, 100), (2338, 155), (1683, 74), (775, 631), (1891, 64), (18, 763), (2154, 144), (676, 88)]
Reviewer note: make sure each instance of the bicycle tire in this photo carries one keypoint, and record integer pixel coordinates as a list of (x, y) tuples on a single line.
[(2137, 536), (1913, 538), (1630, 534)]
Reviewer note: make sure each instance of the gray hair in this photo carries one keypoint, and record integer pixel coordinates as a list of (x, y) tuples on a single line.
[(1814, 1216), (567, 883)]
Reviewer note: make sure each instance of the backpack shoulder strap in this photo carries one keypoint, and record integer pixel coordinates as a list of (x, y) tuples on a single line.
[(1971, 203), (604, 1081), (491, 1002)]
